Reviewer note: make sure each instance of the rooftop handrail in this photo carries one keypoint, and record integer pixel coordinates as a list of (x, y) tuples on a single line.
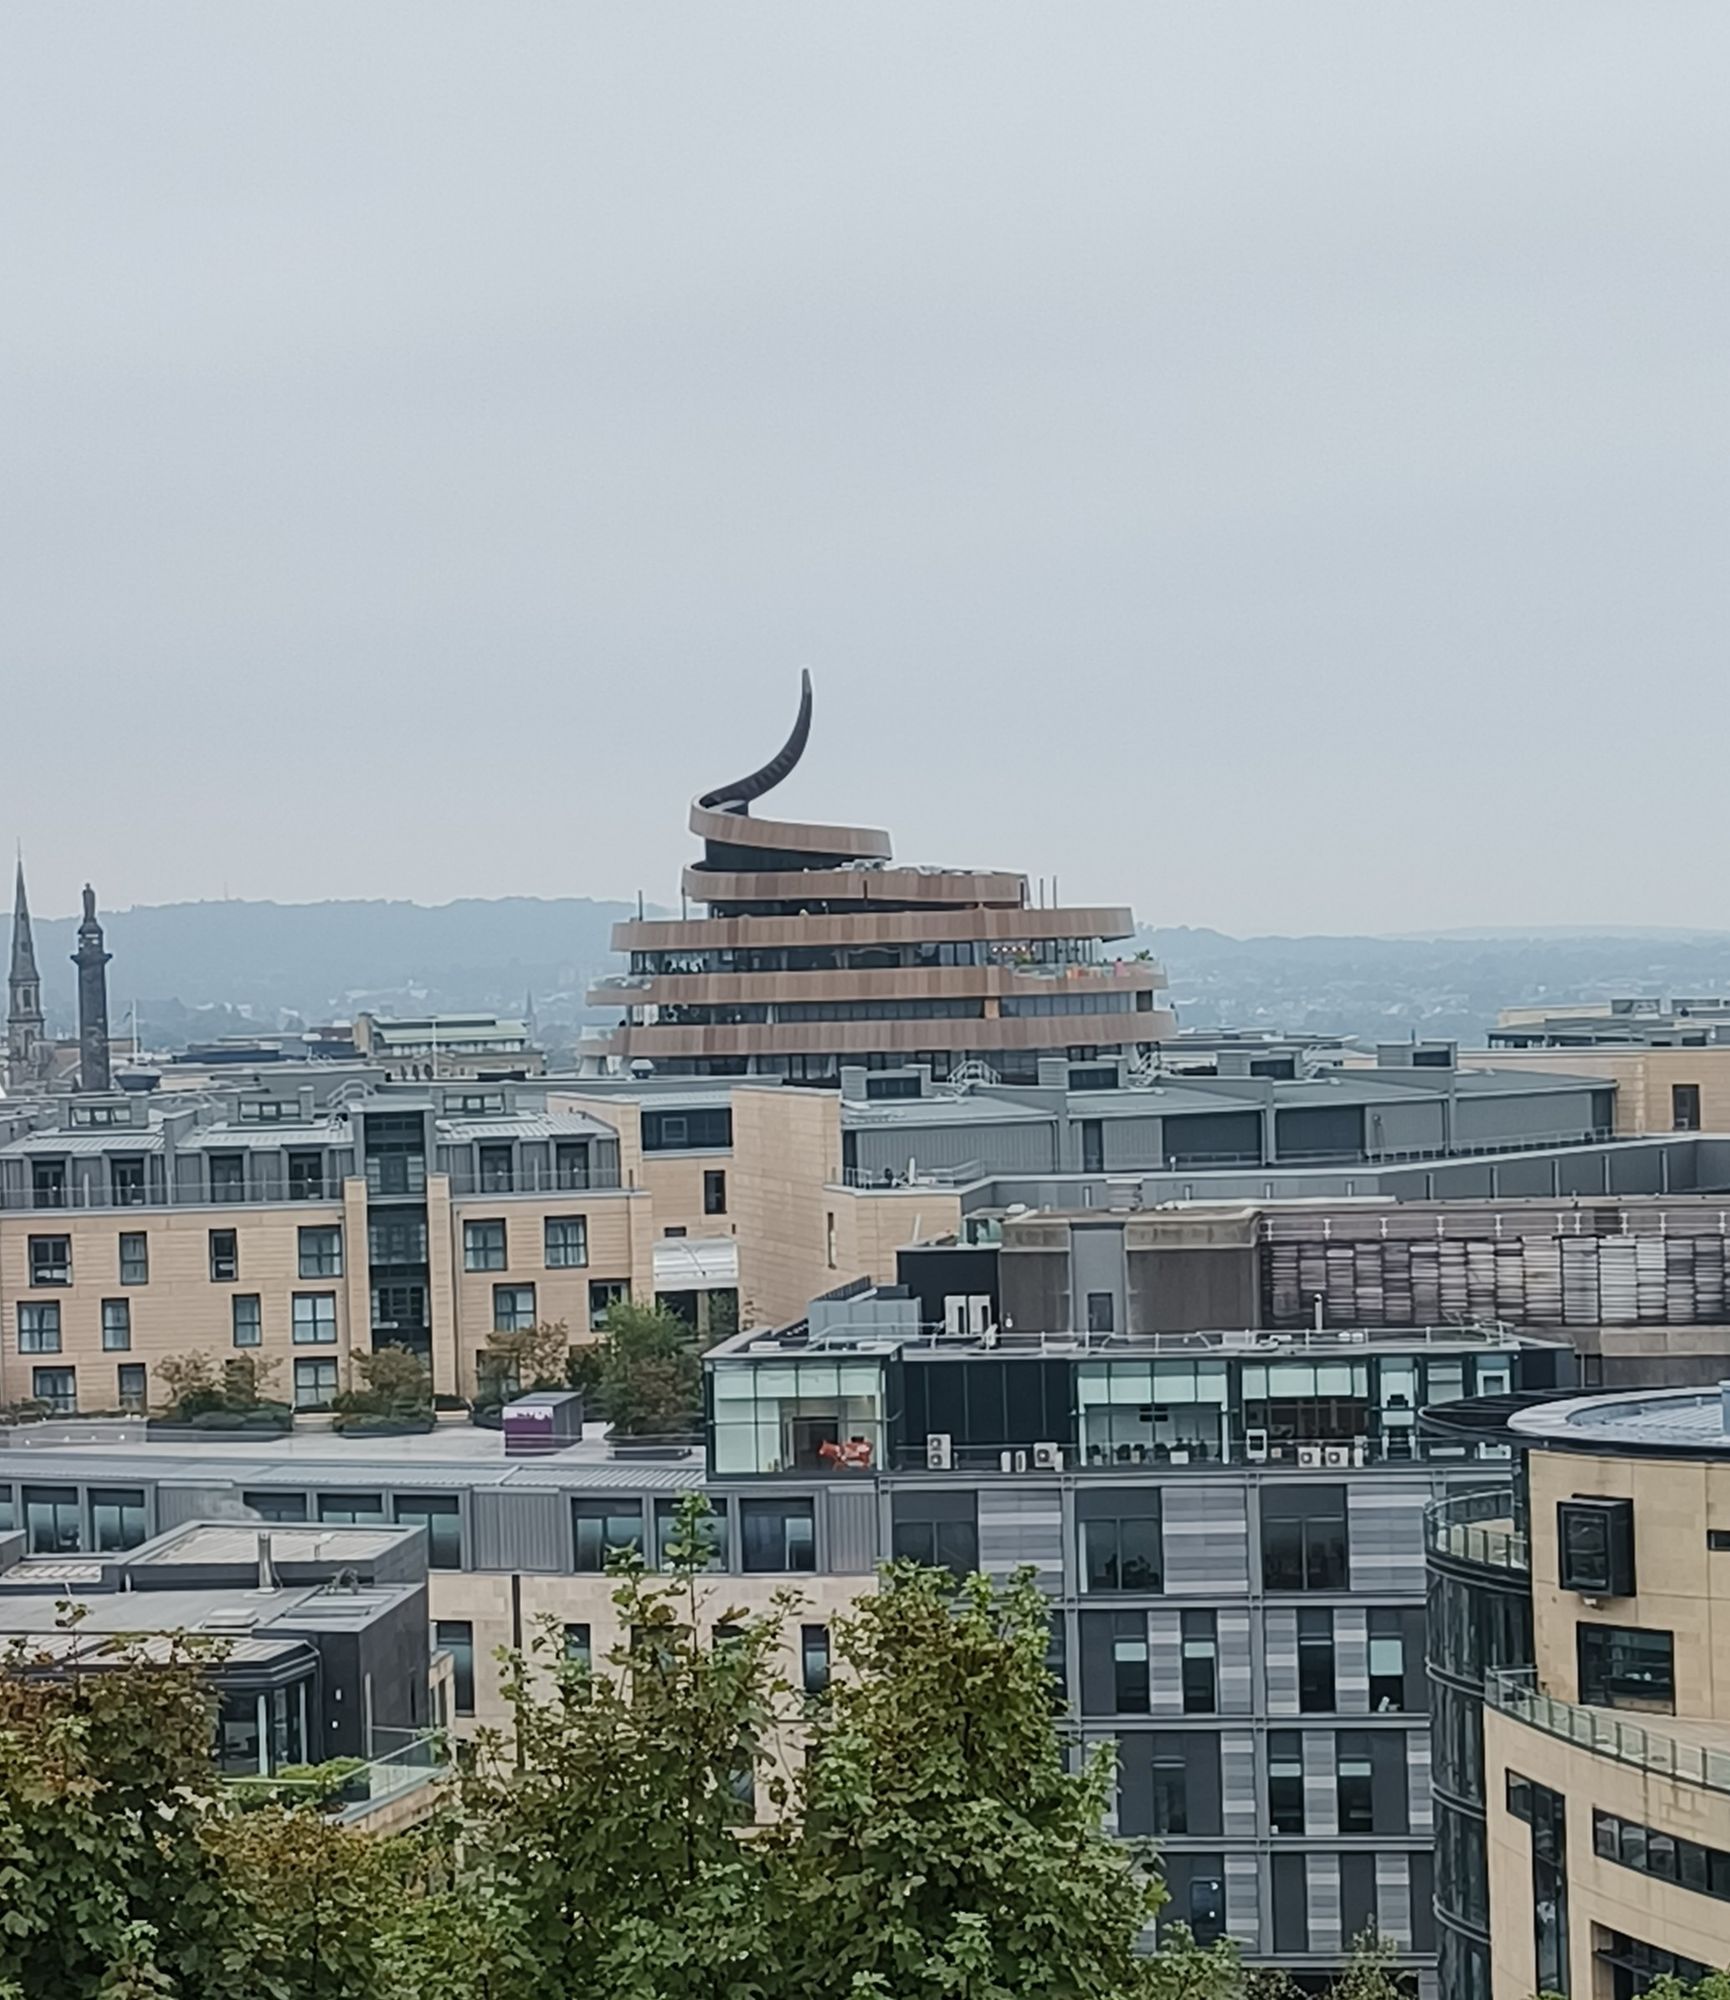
[(1468, 1526), (403, 1760), (1514, 1691)]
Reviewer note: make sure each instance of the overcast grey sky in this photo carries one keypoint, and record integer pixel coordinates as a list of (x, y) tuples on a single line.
[(1265, 462)]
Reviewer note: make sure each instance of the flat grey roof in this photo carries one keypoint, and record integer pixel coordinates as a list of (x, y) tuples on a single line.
[(453, 1457), (1668, 1422), (221, 1542)]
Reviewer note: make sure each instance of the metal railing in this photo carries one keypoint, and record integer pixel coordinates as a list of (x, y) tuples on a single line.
[(407, 1760), (1513, 1691), (187, 1192), (1478, 1528), (536, 1180), (947, 1178)]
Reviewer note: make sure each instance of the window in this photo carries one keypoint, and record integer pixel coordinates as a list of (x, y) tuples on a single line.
[(604, 1294), (1315, 1643), (601, 1526), (265, 1111), (777, 1535), (314, 1384), (513, 1308), (1170, 1772), (715, 1192), (441, 1515), (1354, 1782), (456, 1636), (228, 1177), (1387, 1636), (1205, 1905), (1101, 1316), (1130, 1689), (396, 1239), (126, 1180), (57, 1387), (248, 1319), (1684, 1107), (39, 1327), (314, 1318), (321, 1253), (116, 1325), (306, 1176), (51, 1520), (668, 1131), (711, 1534), (270, 1505), (1669, 1857), (51, 1260), (567, 1242), (116, 1517), (1622, 1666), (675, 1230), (132, 1387), (571, 1163), (48, 1183), (224, 1256), (1285, 1781), (484, 1246), (1546, 1813), (829, 1239), (1200, 1663), (134, 1257), (1303, 1538), (579, 1646), (1121, 1541), (495, 1164), (349, 1510), (1595, 1546), (814, 1658), (937, 1531)]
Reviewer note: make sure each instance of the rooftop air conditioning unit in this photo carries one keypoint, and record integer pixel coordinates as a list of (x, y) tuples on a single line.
[(1255, 1447), (1309, 1454), (1337, 1454), (1048, 1457), (939, 1451)]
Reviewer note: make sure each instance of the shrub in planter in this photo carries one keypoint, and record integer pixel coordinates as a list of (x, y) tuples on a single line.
[(381, 1423), (396, 1398)]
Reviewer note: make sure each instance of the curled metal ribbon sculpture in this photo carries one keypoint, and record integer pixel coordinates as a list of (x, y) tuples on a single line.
[(736, 798)]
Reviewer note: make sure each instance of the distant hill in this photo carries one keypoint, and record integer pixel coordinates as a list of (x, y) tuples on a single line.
[(198, 969), (323, 960), (1388, 988)]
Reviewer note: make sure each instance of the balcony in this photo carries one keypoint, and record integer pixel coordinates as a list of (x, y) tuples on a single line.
[(1478, 1528), (1689, 1753), (541, 1180), (383, 1787)]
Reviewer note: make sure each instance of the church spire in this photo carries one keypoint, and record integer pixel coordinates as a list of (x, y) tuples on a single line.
[(27, 1050)]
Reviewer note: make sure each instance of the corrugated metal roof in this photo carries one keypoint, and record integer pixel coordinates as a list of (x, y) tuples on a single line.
[(111, 1139), (526, 1125)]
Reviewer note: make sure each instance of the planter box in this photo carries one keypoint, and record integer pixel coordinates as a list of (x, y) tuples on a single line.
[(164, 1430), (643, 1449), (383, 1428)]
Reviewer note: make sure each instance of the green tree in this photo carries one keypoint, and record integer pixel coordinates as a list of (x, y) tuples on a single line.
[(395, 1382), (608, 1823), (651, 1376), (531, 1357), (124, 1874), (943, 1847)]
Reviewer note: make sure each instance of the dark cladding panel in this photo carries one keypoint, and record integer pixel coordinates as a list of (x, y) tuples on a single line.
[(1192, 1291)]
